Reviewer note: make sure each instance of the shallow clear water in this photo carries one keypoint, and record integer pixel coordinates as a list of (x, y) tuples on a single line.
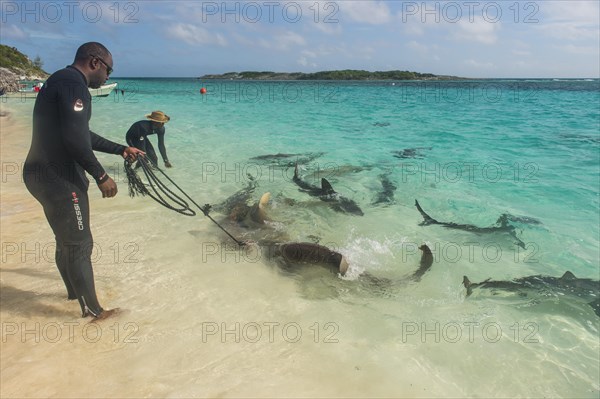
[(212, 320)]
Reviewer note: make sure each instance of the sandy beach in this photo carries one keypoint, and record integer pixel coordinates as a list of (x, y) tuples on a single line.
[(35, 315)]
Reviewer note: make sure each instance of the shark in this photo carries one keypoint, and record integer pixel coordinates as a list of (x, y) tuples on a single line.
[(252, 217), (502, 225), (410, 152), (386, 196), (292, 254), (284, 160), (567, 285), (241, 211), (327, 194)]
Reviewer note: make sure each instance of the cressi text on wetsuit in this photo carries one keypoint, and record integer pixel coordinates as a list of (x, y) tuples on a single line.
[(54, 172), (137, 136)]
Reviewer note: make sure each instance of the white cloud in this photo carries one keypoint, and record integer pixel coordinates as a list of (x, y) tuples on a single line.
[(305, 63), (479, 65), (418, 47), (581, 12), (370, 12), (521, 53), (581, 50), (479, 30), (570, 20), (13, 32), (329, 28), (283, 41), (195, 35)]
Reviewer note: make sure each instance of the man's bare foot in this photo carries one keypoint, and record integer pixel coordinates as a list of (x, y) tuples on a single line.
[(106, 314)]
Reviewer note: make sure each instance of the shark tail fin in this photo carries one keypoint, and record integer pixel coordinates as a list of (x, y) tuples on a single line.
[(467, 283), (596, 306), (427, 220), (425, 249), (326, 186)]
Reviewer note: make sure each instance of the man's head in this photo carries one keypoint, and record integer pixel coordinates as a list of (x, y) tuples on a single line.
[(95, 62)]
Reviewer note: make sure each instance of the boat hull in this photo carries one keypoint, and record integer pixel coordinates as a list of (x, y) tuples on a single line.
[(102, 91)]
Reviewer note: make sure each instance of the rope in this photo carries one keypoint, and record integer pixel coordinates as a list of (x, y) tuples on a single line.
[(137, 187)]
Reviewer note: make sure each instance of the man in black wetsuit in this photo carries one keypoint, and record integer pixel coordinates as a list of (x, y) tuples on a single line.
[(137, 136), (61, 152)]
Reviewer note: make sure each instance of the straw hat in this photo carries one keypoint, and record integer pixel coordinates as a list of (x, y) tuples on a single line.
[(158, 116)]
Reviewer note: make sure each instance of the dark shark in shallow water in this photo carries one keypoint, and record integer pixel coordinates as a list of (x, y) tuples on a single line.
[(308, 253), (386, 195), (567, 285), (294, 253), (240, 210), (326, 193), (410, 153), (287, 160), (252, 218), (502, 225)]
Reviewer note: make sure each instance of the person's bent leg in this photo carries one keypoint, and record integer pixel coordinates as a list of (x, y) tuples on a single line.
[(151, 154), (138, 143)]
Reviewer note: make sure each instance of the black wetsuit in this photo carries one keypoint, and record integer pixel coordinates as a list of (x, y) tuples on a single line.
[(54, 173), (137, 136)]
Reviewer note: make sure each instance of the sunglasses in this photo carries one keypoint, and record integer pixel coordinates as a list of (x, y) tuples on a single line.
[(109, 69)]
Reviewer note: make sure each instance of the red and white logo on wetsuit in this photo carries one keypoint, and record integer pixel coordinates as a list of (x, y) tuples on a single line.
[(78, 106)]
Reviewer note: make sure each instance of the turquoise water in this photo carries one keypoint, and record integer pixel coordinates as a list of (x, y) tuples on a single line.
[(529, 148)]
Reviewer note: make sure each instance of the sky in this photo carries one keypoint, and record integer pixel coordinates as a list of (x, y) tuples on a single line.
[(475, 39)]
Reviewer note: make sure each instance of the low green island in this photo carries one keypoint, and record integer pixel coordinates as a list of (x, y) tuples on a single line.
[(346, 74)]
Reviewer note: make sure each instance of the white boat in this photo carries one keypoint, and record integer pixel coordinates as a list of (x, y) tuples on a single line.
[(102, 91)]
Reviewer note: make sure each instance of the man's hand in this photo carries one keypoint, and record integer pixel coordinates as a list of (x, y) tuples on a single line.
[(132, 153), (168, 164), (108, 188)]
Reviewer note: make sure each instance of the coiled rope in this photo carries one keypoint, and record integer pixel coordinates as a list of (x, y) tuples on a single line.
[(162, 194)]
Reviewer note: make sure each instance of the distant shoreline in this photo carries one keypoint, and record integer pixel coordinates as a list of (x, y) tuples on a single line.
[(337, 75)]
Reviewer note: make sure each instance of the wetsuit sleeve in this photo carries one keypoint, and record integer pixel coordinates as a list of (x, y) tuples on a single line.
[(101, 144), (75, 111), (161, 145)]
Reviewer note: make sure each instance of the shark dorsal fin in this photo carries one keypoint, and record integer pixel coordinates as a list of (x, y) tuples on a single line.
[(568, 276), (427, 220), (326, 187), (467, 283)]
